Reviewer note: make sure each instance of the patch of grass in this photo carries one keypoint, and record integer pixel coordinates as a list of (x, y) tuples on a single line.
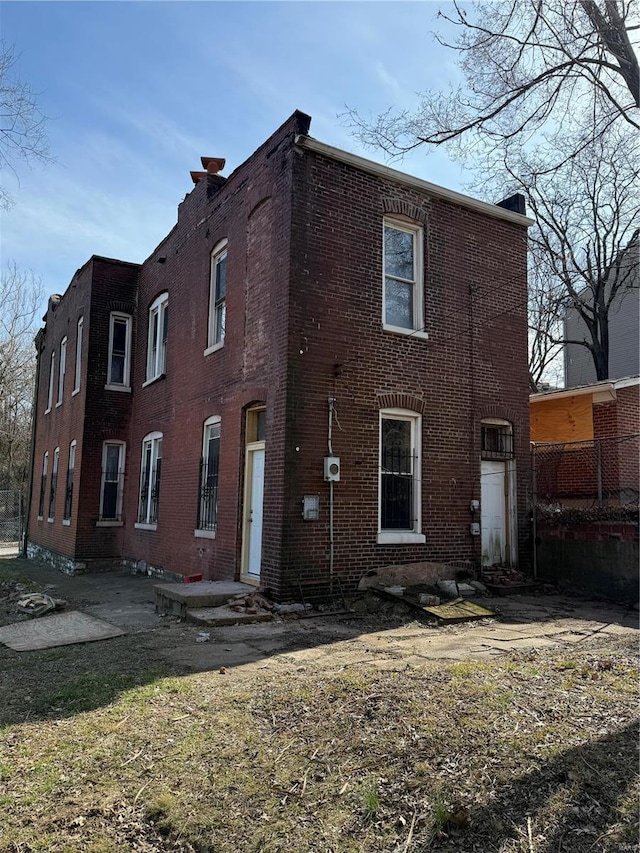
[(84, 693), (331, 761), (370, 800), (158, 811)]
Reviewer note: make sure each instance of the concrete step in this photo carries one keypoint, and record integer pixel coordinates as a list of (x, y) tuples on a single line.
[(175, 599), (224, 615)]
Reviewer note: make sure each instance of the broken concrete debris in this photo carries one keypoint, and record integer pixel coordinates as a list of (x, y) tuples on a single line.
[(38, 603), (252, 603)]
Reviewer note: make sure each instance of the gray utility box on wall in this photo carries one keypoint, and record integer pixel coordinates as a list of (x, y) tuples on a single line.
[(332, 469)]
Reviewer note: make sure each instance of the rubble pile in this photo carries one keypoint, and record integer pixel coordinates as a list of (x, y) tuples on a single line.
[(17, 599), (253, 603)]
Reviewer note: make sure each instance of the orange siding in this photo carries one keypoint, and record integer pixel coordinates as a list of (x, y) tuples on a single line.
[(562, 419)]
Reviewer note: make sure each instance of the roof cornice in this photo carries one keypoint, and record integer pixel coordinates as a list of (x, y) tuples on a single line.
[(396, 175)]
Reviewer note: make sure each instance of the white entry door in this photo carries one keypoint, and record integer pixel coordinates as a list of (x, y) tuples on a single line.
[(253, 512), (494, 502)]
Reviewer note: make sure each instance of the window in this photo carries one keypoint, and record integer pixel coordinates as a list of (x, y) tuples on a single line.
[(52, 371), (157, 340), (119, 369), (111, 485), (43, 485), (78, 370), (497, 440), (403, 281), (54, 483), (399, 482), (209, 464), (150, 479), (68, 495), (61, 370), (217, 296)]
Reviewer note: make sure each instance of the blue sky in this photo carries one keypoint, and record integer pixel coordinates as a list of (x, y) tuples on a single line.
[(136, 92)]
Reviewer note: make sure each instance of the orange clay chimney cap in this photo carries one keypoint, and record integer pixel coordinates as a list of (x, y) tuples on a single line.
[(213, 165)]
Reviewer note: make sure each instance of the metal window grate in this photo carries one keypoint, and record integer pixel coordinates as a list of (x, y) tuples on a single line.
[(397, 489), (497, 442), (208, 505), (150, 495)]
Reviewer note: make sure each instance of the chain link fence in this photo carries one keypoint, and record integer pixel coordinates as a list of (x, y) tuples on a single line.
[(11, 516), (602, 475)]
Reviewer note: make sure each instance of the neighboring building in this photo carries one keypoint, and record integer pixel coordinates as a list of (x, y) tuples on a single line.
[(315, 374), (588, 448), (624, 333)]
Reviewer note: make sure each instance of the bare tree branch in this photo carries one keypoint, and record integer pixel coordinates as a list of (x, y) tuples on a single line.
[(524, 61), (20, 299), (23, 136)]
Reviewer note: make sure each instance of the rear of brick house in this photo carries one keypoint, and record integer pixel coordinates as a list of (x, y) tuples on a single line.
[(313, 306)]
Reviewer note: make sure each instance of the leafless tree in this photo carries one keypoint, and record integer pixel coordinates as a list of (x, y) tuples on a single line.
[(529, 66), (545, 307), (22, 125), (550, 109), (20, 298), (584, 245)]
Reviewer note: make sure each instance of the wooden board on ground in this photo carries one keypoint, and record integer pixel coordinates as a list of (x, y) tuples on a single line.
[(58, 629), (458, 610)]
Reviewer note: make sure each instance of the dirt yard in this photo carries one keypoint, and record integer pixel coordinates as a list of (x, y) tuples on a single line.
[(363, 732)]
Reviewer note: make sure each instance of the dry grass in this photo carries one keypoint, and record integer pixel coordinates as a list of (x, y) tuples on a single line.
[(534, 752)]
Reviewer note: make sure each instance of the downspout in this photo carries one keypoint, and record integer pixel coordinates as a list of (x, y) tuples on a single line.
[(331, 401), (32, 449), (534, 512)]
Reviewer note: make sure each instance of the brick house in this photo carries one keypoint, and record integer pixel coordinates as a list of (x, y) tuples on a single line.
[(321, 370)]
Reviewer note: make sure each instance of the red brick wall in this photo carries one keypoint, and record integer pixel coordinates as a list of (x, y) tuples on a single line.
[(304, 307), (252, 211), (472, 366), (86, 416)]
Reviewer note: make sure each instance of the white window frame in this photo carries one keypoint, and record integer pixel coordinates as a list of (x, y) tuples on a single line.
[(154, 440), (61, 370), (122, 451), (217, 308), (78, 364), (156, 343), (53, 486), (211, 425), (125, 385), (417, 282), (413, 535), (52, 371), (43, 485), (71, 468)]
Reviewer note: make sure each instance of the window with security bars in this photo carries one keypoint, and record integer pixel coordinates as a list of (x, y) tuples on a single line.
[(497, 441), (209, 465), (150, 479), (68, 495), (397, 474), (43, 484), (54, 484)]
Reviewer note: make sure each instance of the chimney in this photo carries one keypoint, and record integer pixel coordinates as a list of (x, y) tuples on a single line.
[(211, 165), (515, 202)]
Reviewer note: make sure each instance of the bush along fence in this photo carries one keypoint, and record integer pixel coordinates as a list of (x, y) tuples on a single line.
[(585, 515)]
